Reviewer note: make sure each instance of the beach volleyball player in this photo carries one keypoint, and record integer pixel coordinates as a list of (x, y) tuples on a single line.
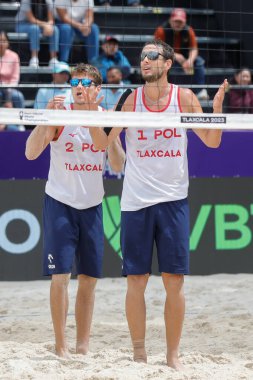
[(72, 213), (154, 199)]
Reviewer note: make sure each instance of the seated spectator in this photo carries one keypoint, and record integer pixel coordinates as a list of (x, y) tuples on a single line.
[(112, 95), (133, 3), (112, 56), (241, 100), (76, 17), (9, 74), (36, 18), (60, 74), (182, 38)]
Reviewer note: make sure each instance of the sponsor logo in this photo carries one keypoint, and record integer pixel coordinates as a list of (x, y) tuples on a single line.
[(50, 259), (111, 219), (203, 119)]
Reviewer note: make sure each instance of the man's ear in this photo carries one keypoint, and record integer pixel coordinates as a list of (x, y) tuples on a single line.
[(98, 88), (169, 63)]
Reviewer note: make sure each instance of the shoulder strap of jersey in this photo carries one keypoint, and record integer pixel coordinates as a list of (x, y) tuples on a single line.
[(119, 106)]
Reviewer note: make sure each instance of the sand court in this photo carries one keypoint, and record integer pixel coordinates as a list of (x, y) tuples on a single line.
[(217, 340)]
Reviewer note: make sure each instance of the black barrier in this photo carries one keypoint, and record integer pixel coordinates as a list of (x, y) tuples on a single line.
[(221, 227)]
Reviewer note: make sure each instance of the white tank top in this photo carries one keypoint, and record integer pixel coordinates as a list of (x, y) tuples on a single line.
[(76, 168), (156, 166)]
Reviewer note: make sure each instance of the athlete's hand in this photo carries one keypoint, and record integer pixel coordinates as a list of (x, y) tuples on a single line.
[(219, 97), (57, 103), (90, 98)]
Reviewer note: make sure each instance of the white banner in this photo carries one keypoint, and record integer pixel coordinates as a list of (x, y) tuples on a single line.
[(125, 119)]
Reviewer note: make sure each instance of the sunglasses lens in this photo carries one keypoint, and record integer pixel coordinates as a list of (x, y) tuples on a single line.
[(86, 82), (152, 55), (74, 82)]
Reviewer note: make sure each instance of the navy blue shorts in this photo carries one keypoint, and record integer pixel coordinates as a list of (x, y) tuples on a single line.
[(72, 235), (166, 224)]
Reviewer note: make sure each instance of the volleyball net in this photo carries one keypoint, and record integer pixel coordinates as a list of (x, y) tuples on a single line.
[(127, 119), (223, 30)]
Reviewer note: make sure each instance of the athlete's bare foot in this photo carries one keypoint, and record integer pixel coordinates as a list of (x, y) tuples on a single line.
[(82, 349), (140, 355), (175, 363), (62, 352), (140, 359)]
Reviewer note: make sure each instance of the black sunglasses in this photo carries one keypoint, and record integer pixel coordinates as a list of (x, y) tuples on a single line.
[(153, 55), (74, 82)]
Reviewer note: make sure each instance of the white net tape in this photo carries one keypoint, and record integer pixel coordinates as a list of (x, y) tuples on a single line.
[(125, 119)]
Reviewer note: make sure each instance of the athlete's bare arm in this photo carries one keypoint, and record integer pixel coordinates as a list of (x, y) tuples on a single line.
[(190, 104), (42, 135), (116, 155)]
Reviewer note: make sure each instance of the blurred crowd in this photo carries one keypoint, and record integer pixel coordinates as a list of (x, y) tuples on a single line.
[(61, 22)]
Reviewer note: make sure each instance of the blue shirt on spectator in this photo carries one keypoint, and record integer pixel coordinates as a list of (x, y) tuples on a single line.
[(104, 62)]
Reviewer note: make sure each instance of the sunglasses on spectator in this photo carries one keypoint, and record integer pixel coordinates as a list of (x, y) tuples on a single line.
[(74, 82), (153, 55)]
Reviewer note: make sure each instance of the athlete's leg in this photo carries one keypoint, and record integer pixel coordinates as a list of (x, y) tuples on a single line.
[(89, 267), (136, 314), (174, 311), (137, 261), (59, 310), (84, 310), (172, 240)]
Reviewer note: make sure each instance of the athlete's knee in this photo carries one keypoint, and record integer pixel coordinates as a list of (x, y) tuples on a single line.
[(86, 283), (173, 282), (137, 283), (61, 280)]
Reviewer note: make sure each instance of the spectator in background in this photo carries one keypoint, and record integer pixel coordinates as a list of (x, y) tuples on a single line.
[(182, 38), (76, 17), (60, 74), (112, 95), (36, 18), (9, 75), (241, 100), (112, 56)]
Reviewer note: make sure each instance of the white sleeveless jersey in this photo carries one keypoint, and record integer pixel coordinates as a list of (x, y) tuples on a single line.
[(156, 166), (76, 167)]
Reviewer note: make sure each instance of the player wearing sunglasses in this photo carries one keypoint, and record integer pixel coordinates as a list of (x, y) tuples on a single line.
[(72, 213), (154, 199)]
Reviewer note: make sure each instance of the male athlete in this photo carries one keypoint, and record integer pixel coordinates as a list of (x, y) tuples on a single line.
[(154, 199), (72, 214)]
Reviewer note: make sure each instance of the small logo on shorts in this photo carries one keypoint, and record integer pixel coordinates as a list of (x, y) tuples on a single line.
[(50, 259)]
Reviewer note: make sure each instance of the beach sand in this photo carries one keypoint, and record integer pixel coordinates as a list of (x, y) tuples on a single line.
[(217, 341)]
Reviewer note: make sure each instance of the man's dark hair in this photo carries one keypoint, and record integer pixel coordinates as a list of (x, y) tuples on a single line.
[(114, 68), (168, 51)]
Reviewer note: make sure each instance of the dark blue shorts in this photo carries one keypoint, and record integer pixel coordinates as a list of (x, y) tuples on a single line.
[(166, 224), (71, 234)]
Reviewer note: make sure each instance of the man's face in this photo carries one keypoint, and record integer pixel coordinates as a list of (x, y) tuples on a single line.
[(110, 48), (60, 78), (152, 70), (177, 25), (114, 76), (77, 91)]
